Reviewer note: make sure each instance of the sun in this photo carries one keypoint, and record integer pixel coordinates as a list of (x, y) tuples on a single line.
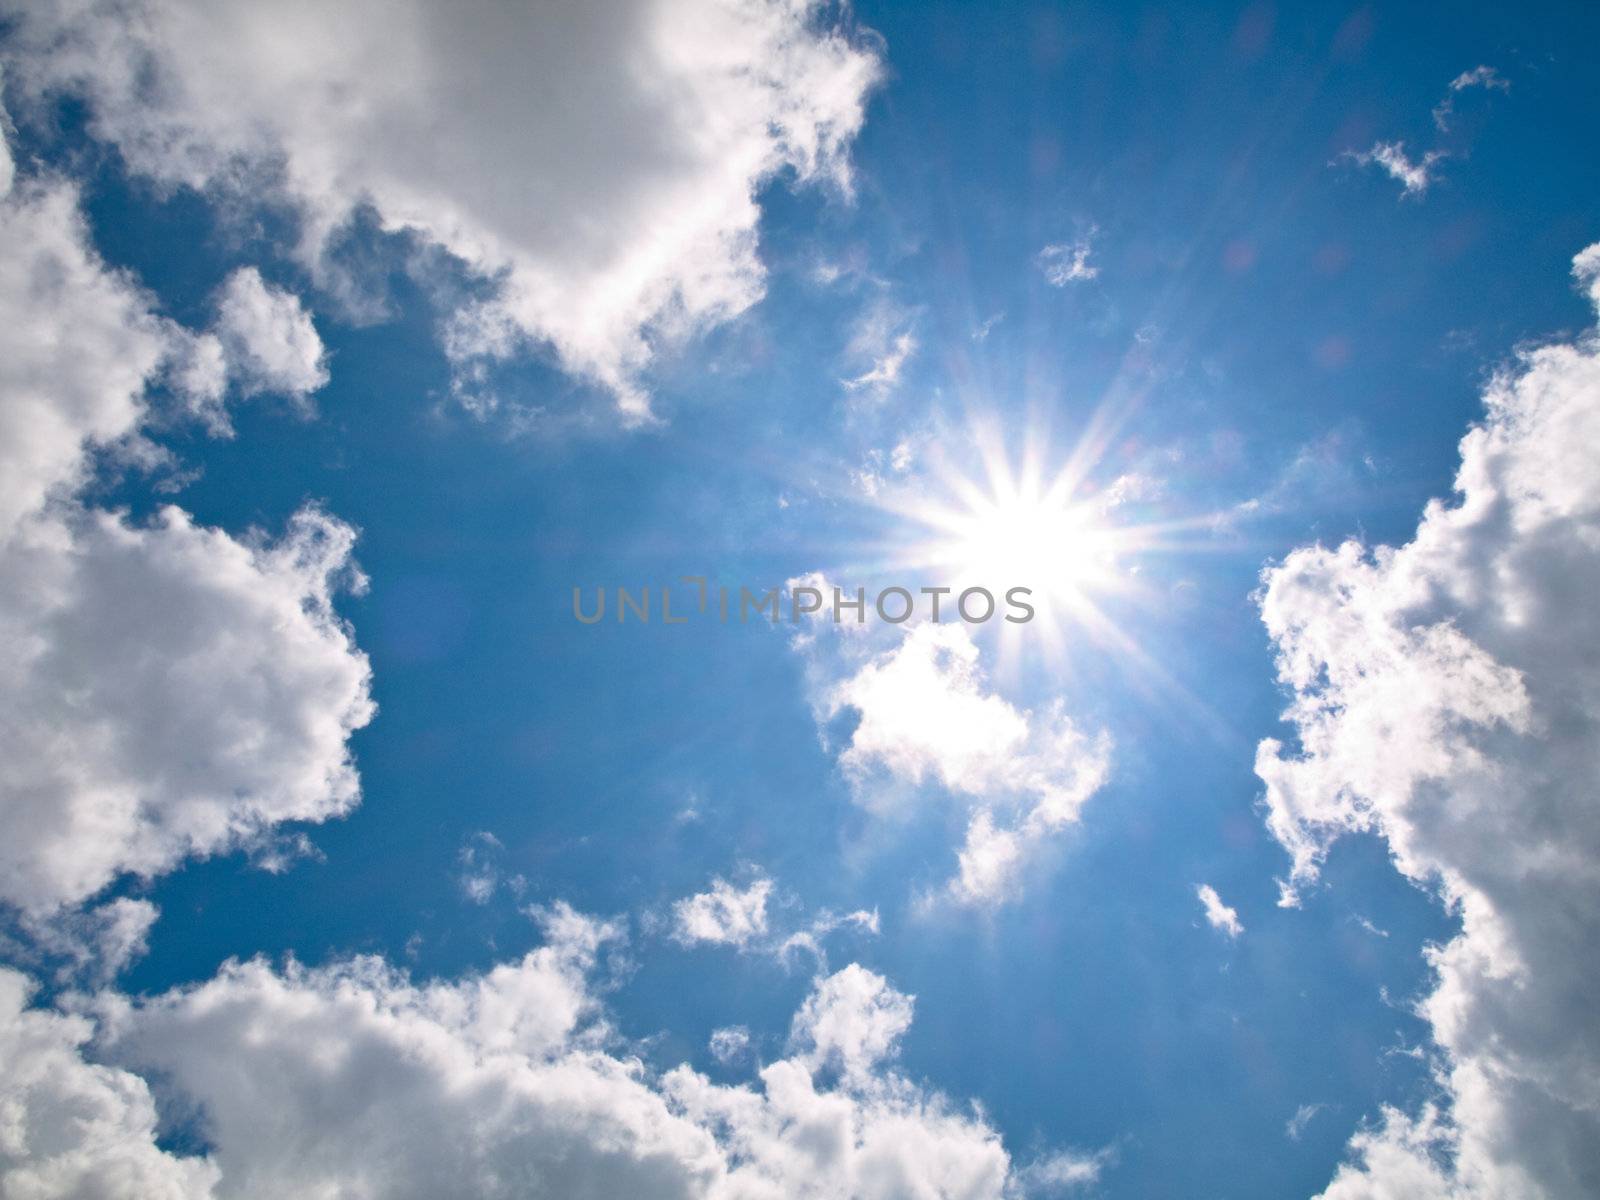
[(1043, 541), (1084, 542), (1014, 526)]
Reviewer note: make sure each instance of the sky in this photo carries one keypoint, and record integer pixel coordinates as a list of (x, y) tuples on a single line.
[(351, 356)]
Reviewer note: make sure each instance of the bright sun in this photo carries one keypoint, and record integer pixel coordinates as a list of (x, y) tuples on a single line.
[(1019, 529), (1043, 542), (1078, 548)]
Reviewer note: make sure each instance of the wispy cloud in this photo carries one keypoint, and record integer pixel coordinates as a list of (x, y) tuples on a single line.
[(1303, 1116), (1218, 914), (1374, 930), (742, 917), (1064, 1171), (480, 861), (1413, 175), (1479, 77), (1068, 262), (884, 342)]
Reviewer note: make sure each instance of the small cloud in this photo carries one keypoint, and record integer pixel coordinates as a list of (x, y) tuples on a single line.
[(1370, 927), (751, 919), (1131, 487), (927, 717), (277, 852), (884, 342), (480, 873), (1218, 914), (725, 915), (1414, 177), (1479, 77), (982, 330), (826, 274), (692, 810), (730, 1044), (884, 373), (1068, 262), (1302, 1117), (1064, 1171), (880, 466), (810, 938)]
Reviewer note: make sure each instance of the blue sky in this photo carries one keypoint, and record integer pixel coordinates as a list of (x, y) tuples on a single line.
[(1242, 278)]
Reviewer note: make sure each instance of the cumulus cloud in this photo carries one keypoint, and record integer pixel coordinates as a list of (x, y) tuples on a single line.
[(852, 1021), (262, 341), (93, 945), (76, 1128), (724, 915), (352, 1079), (77, 344), (174, 692), (1218, 915), (926, 717), (171, 690), (1446, 697), (1413, 175), (8, 167), (1068, 262), (595, 165)]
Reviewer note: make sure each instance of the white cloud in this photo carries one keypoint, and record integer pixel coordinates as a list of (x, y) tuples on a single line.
[(173, 692), (170, 690), (93, 945), (882, 342), (1479, 77), (268, 340), (926, 717), (1586, 269), (1404, 1157), (479, 866), (810, 939), (1295, 1127), (1413, 176), (724, 915), (1068, 262), (1446, 697), (1218, 914), (199, 375), (744, 918), (729, 1044), (352, 1080), (77, 343), (8, 166), (73, 1128), (982, 330), (1063, 1171), (599, 162), (852, 1021)]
